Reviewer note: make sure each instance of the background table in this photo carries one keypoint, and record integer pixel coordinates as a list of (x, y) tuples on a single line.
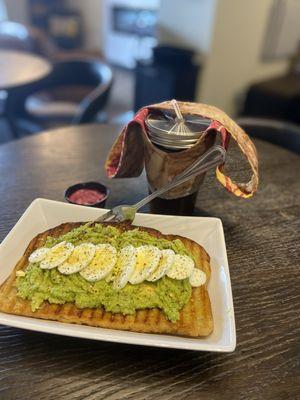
[(262, 236), (18, 71), (18, 68)]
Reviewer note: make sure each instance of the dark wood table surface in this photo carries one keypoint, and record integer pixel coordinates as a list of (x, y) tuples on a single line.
[(262, 236), (19, 68)]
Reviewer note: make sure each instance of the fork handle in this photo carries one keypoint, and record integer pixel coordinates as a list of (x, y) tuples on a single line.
[(212, 158)]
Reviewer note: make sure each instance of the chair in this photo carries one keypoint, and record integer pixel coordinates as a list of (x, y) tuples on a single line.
[(278, 132), (50, 102), (277, 98)]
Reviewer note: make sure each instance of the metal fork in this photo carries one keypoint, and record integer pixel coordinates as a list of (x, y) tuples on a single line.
[(212, 158)]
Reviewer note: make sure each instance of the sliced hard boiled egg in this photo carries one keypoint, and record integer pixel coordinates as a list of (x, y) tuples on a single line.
[(197, 278), (124, 267), (57, 255), (38, 255), (80, 258), (165, 262), (181, 268), (103, 262), (147, 259)]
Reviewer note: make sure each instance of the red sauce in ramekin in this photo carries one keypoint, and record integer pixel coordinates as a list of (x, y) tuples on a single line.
[(87, 196)]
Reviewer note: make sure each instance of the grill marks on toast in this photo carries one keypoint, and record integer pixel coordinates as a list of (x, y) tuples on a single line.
[(195, 318)]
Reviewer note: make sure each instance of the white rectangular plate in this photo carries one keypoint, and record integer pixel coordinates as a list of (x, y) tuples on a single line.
[(44, 214)]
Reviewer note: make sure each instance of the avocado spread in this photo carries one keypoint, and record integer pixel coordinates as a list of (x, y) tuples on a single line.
[(167, 294)]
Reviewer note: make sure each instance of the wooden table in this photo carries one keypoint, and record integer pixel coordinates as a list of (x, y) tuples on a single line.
[(262, 236), (19, 68)]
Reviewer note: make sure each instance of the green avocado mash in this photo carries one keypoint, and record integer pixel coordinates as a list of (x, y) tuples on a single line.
[(169, 295)]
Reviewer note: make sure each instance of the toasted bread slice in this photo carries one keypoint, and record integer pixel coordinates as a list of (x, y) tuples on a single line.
[(195, 317)]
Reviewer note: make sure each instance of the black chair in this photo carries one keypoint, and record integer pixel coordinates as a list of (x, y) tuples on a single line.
[(277, 98), (46, 104), (281, 133)]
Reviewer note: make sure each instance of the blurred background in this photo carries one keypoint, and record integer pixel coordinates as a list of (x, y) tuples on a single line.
[(102, 60)]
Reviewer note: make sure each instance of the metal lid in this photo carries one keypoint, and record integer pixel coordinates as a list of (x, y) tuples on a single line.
[(166, 131)]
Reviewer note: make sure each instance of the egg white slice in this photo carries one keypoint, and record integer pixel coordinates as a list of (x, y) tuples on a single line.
[(38, 255), (197, 278), (81, 256), (165, 262), (57, 255), (124, 267), (103, 262), (147, 259), (181, 268)]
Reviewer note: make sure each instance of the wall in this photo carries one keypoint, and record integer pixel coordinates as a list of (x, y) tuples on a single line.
[(173, 17), (188, 23), (3, 11), (17, 10), (92, 13), (121, 48), (234, 60)]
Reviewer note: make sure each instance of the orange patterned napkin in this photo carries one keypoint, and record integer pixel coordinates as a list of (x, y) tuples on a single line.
[(126, 157)]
